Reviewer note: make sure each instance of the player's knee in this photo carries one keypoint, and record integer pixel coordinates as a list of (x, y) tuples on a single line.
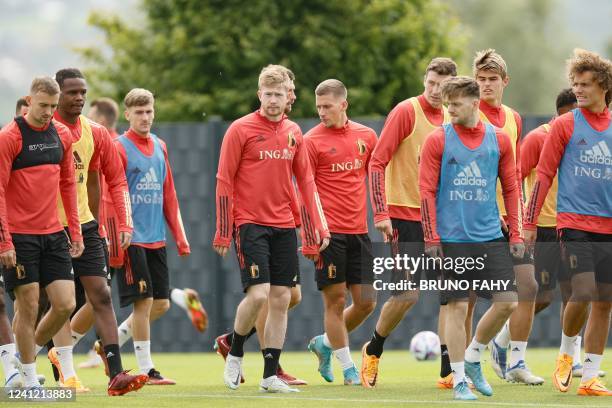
[(366, 307), (506, 308), (602, 308), (296, 298), (64, 307), (160, 306), (258, 297), (529, 289)]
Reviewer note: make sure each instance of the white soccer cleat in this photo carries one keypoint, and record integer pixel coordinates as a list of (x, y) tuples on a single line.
[(275, 384), (521, 374), (93, 360), (232, 371)]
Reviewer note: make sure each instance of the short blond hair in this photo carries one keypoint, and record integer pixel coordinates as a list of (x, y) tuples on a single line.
[(587, 61), (333, 87), (489, 60), (273, 75), (138, 97), (44, 84), (455, 87)]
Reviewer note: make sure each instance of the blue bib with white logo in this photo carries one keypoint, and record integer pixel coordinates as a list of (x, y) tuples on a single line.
[(145, 176), (585, 171), (466, 204)]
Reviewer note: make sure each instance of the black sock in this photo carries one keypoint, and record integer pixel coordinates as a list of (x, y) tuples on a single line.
[(271, 357), (114, 359), (445, 367), (237, 349), (252, 332), (230, 337), (375, 348)]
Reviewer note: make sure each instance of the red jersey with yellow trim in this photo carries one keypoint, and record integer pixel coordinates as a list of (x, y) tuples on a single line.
[(394, 162), (28, 195), (339, 158), (429, 176), (552, 153), (531, 147), (510, 121), (172, 212), (104, 158), (254, 180)]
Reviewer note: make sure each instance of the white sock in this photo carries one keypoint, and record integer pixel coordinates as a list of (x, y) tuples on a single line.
[(503, 337), (567, 344), (474, 350), (326, 342), (577, 350), (31, 379), (344, 356), (178, 298), (7, 351), (458, 372), (517, 352), (125, 333), (76, 337), (142, 349), (592, 362), (37, 349), (64, 355)]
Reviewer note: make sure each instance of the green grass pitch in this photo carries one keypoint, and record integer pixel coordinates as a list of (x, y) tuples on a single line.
[(402, 381)]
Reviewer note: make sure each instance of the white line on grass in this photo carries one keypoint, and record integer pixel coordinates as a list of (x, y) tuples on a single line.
[(293, 396)]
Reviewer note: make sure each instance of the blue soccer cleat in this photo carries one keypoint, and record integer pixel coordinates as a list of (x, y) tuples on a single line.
[(351, 376), (474, 371), (463, 392), (324, 354), (499, 356)]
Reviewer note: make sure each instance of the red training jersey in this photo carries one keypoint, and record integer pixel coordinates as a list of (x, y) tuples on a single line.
[(399, 125), (339, 158), (429, 176), (552, 153), (172, 212), (254, 180), (28, 196)]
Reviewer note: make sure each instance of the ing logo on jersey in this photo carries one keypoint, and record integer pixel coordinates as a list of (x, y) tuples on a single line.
[(291, 142), (361, 147)]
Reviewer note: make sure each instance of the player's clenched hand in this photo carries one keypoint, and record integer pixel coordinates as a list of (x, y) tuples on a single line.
[(517, 250), (125, 238), (503, 224), (434, 251), (8, 258), (386, 229), (76, 249), (324, 244), (529, 236), (221, 250)]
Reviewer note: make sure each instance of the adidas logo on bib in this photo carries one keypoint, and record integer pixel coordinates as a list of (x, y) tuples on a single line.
[(599, 154), (149, 181), (470, 176)]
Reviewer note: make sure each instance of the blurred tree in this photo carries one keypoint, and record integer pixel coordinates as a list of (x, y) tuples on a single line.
[(202, 57), (532, 40)]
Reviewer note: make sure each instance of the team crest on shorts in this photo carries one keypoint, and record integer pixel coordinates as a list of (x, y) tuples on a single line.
[(254, 271), (331, 271), (20, 270), (361, 147), (291, 142), (142, 286)]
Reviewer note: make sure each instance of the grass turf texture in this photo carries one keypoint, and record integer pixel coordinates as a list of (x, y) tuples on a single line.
[(402, 381)]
